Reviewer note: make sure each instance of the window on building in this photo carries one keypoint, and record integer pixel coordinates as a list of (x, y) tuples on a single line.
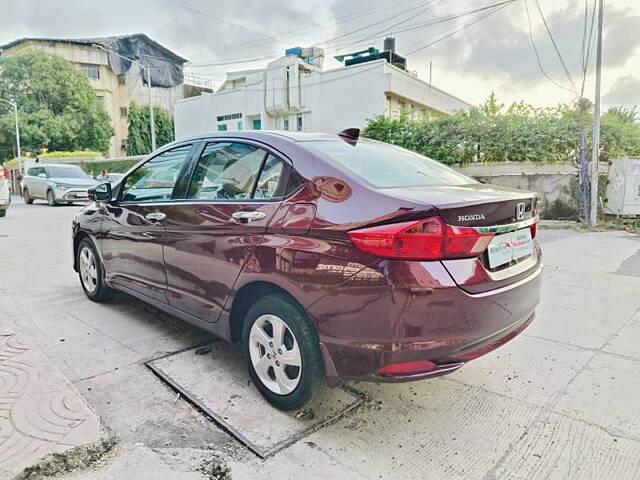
[(100, 100), (122, 79), (124, 111), (239, 125), (257, 124), (222, 128), (299, 125), (286, 124), (232, 116), (91, 70)]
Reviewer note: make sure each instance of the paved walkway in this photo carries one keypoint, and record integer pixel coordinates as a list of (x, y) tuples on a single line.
[(40, 411)]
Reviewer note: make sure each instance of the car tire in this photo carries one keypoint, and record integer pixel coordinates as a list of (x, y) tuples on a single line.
[(88, 261), (51, 199), (3, 213), (26, 197), (290, 387)]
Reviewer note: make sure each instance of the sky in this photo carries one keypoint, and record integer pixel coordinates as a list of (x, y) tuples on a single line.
[(471, 54)]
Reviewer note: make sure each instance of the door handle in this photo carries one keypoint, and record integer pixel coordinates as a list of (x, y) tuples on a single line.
[(155, 216), (248, 216)]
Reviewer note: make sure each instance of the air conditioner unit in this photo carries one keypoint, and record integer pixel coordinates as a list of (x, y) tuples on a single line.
[(623, 190)]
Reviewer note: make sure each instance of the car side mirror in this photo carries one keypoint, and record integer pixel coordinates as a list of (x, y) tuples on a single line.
[(100, 193)]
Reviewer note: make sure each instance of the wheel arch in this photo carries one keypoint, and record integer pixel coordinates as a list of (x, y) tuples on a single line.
[(245, 297)]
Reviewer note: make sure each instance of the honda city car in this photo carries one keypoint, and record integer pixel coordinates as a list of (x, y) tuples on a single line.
[(324, 258)]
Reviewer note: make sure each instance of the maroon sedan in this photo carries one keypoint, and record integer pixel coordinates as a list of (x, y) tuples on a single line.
[(324, 257)]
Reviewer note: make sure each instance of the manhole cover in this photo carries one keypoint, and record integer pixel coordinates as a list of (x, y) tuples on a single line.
[(219, 385)]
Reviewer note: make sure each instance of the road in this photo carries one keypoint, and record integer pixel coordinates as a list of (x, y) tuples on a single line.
[(560, 401)]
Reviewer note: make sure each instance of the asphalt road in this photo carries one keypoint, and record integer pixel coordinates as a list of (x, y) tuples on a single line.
[(558, 402)]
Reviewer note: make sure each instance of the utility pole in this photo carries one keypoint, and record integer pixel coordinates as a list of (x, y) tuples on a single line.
[(595, 154), (147, 68), (152, 123), (15, 113)]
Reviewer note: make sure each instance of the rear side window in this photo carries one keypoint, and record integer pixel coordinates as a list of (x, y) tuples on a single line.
[(154, 180), (387, 166), (236, 171)]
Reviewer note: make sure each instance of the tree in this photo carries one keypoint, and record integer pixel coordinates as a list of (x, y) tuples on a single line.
[(139, 141), (57, 106)]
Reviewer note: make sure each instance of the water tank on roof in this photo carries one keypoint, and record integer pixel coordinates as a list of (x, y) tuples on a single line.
[(389, 44)]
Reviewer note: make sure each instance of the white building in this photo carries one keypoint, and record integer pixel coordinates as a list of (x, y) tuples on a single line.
[(293, 93)]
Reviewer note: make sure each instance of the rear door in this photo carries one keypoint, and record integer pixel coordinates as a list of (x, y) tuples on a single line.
[(38, 182), (235, 190), (133, 228)]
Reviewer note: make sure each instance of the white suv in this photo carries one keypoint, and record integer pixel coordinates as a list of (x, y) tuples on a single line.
[(56, 184), (5, 191)]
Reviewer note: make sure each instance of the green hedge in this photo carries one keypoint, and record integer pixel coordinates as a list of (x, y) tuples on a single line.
[(519, 133)]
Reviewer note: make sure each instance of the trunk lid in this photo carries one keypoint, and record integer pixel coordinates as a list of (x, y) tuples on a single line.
[(481, 205)]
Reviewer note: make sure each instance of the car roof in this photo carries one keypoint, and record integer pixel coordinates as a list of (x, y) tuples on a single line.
[(264, 136), (36, 165)]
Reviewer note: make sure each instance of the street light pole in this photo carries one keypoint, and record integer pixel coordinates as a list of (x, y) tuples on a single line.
[(15, 113), (147, 68), (595, 154)]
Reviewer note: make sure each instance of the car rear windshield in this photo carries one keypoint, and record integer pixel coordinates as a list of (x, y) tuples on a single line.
[(67, 172), (388, 166)]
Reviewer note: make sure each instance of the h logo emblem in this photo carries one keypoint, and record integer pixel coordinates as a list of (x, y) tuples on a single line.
[(519, 211)]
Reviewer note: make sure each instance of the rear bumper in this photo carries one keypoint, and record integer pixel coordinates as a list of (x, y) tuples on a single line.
[(427, 318)]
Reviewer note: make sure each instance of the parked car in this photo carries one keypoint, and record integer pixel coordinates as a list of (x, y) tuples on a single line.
[(5, 191), (56, 184), (323, 257)]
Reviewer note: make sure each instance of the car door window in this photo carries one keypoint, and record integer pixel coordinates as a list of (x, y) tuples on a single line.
[(154, 181), (226, 171)]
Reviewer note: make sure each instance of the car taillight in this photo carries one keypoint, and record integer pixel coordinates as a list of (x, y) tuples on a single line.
[(534, 230), (4, 173), (429, 239)]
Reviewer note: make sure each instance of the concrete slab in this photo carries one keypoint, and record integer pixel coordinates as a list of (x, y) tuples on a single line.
[(606, 393), (527, 368), (560, 448), (219, 385), (430, 430)]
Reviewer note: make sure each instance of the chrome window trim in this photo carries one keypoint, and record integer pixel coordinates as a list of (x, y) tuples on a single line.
[(508, 227)]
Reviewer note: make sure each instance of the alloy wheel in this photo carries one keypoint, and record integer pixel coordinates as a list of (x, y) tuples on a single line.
[(88, 269), (275, 354)]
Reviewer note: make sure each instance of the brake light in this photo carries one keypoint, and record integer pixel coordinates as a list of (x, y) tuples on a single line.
[(4, 172), (429, 239), (534, 230)]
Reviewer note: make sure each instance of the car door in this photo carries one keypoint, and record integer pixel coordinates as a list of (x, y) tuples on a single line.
[(233, 194), (133, 226), (37, 187)]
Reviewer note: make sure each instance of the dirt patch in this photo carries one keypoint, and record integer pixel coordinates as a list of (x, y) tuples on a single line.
[(79, 457), (215, 468)]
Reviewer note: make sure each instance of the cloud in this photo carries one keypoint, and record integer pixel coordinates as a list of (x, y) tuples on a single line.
[(625, 91), (499, 47)]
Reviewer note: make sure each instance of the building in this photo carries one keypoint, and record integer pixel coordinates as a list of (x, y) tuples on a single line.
[(294, 93), (116, 81)]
